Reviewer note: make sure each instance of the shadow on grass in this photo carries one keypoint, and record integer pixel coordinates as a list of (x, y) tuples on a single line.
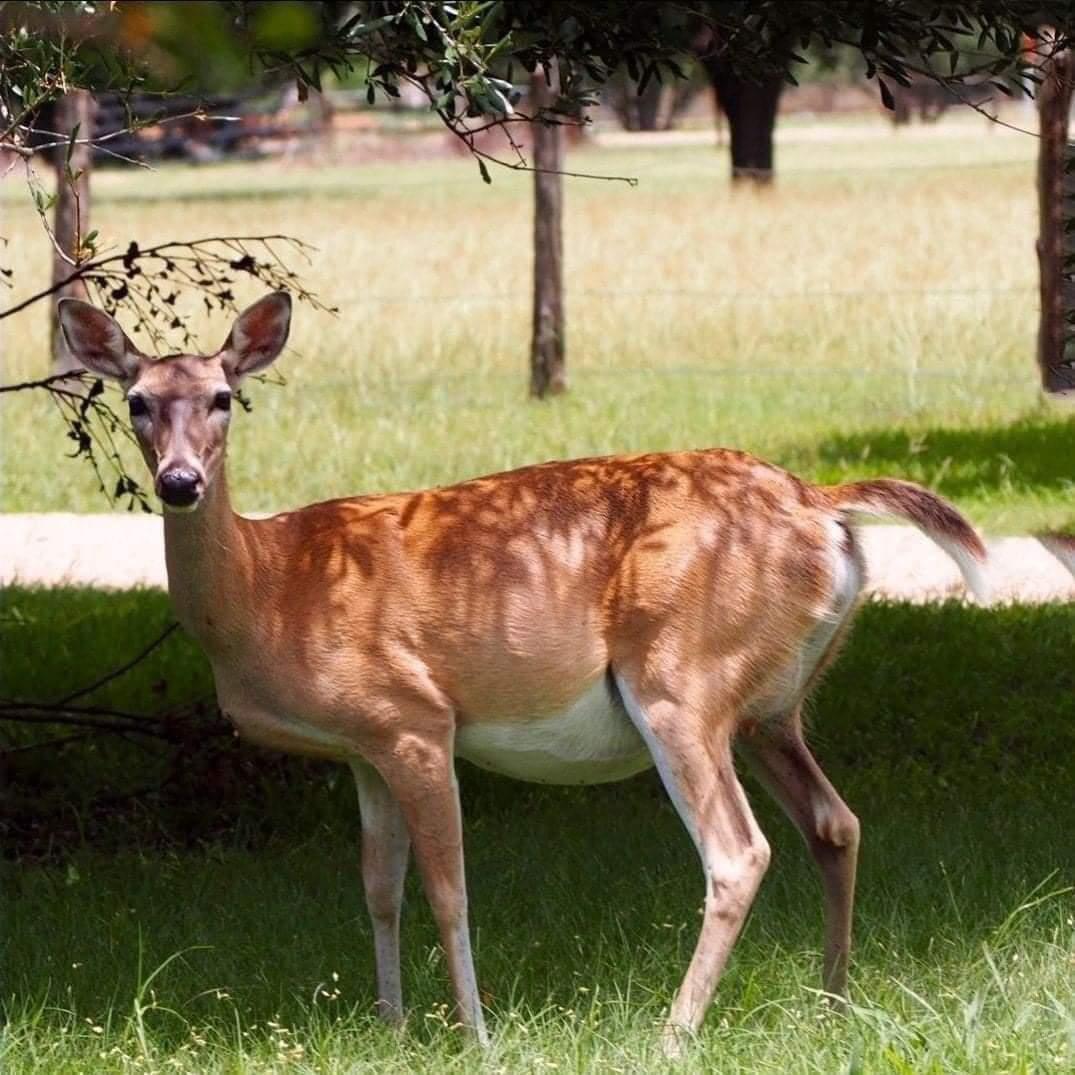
[(949, 729), (1035, 453)]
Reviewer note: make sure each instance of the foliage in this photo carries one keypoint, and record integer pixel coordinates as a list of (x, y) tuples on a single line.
[(148, 284), (465, 56)]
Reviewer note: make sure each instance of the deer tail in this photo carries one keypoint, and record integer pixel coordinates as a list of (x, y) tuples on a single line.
[(934, 516), (1062, 546)]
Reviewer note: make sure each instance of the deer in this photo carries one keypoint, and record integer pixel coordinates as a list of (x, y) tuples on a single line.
[(570, 622), (1062, 546)]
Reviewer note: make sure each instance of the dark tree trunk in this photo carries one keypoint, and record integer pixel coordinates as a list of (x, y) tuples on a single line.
[(1056, 245), (547, 373), (657, 108), (751, 110), (901, 114), (72, 214), (646, 106)]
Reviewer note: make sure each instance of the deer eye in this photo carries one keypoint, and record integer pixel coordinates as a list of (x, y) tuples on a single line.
[(138, 406), (222, 401)]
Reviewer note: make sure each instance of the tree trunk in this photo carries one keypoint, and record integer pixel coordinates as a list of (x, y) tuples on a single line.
[(71, 220), (751, 110), (1056, 245), (647, 105), (547, 373)]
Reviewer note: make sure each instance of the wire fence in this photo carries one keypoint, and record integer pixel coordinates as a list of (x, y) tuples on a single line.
[(701, 294), (582, 368), (473, 382)]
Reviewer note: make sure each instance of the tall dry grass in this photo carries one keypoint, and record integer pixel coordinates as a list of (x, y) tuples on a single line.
[(877, 305)]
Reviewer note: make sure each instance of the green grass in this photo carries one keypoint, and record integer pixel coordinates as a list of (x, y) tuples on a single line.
[(950, 730), (874, 313)]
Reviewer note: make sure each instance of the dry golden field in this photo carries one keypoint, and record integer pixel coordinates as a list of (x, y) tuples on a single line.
[(873, 313)]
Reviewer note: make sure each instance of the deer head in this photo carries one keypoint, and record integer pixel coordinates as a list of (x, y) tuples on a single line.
[(180, 405)]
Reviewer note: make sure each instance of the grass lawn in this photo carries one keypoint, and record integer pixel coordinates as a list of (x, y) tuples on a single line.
[(950, 730), (874, 313)]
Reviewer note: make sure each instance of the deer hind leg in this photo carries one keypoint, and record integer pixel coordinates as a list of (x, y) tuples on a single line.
[(695, 764), (779, 756), (421, 776), (385, 849)]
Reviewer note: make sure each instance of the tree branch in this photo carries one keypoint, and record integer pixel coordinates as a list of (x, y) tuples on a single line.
[(162, 250), (121, 670), (110, 720)]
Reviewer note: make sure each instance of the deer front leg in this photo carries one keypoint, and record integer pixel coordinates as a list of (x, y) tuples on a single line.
[(385, 847), (421, 776)]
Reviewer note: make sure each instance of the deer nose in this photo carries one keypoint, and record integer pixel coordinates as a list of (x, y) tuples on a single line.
[(179, 487)]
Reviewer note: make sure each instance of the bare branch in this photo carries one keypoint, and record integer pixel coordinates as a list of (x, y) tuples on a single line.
[(121, 670), (110, 720), (96, 142), (55, 383), (171, 251)]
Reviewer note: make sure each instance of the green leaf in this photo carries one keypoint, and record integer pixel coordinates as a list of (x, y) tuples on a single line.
[(886, 96), (486, 177), (71, 145)]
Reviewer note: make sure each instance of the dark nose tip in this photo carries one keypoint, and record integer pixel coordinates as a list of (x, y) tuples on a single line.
[(178, 487)]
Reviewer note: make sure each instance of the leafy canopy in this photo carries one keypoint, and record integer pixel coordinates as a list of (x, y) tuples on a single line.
[(465, 56)]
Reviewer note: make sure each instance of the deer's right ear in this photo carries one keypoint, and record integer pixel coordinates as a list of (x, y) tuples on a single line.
[(97, 341), (257, 337)]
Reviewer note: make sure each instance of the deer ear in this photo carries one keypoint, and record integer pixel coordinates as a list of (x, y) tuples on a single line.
[(94, 338), (258, 336)]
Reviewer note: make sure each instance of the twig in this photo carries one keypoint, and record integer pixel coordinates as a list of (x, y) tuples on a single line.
[(52, 383), (10, 705), (95, 143), (34, 185), (59, 741), (630, 180), (521, 165), (121, 670), (86, 717), (160, 250)]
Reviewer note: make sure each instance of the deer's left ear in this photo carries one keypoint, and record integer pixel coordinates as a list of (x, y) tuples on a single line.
[(94, 338), (258, 336)]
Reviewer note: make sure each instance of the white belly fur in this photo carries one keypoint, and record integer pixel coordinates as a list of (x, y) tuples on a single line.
[(591, 742)]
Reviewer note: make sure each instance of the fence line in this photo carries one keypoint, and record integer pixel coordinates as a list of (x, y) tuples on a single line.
[(475, 378), (700, 293), (833, 169)]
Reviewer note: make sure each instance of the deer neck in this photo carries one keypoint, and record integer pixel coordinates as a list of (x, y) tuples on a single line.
[(208, 555)]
